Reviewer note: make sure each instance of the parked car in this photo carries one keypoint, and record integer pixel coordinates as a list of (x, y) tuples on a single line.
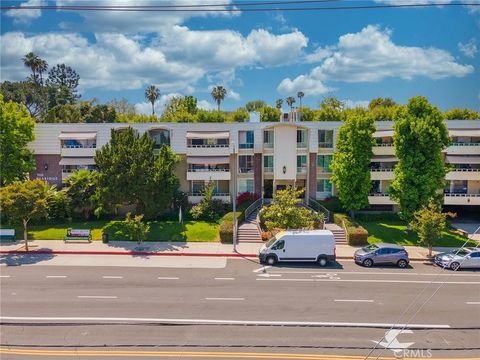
[(382, 254), (459, 258), (313, 246)]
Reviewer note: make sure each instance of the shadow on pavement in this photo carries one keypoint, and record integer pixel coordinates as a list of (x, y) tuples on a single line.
[(19, 259), (148, 247), (304, 265)]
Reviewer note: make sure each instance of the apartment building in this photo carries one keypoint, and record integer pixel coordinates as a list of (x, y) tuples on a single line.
[(259, 157)]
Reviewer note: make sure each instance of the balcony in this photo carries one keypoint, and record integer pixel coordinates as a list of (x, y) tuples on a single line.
[(268, 145), (380, 199), (207, 174), (78, 150), (382, 174), (245, 170), (302, 145), (302, 169), (245, 146), (268, 169), (208, 150), (463, 174), (467, 148), (383, 149), (461, 199), (325, 145), (196, 197)]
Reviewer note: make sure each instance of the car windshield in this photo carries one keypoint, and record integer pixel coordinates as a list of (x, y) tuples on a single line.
[(370, 248), (270, 242), (462, 252)]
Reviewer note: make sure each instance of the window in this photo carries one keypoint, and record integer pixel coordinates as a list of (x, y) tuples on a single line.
[(279, 245), (245, 163), (245, 185), (325, 138), (268, 138), (323, 163), (245, 139), (301, 138), (161, 137), (197, 186), (301, 163), (324, 186), (268, 163)]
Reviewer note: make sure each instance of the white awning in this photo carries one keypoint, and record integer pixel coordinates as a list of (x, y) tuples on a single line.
[(208, 135), (383, 133), (76, 161), (463, 159), (384, 159), (78, 136), (464, 132), (208, 160)]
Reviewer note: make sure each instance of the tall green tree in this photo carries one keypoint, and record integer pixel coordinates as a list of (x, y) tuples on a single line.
[(290, 101), (461, 114), (351, 161), (62, 85), (16, 131), (65, 113), (23, 201), (279, 104), (81, 189), (152, 94), (218, 94), (269, 114), (255, 105), (420, 135), (37, 65), (300, 96), (28, 94), (331, 109)]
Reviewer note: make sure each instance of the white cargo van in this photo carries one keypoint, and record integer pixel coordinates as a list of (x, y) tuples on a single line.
[(299, 245)]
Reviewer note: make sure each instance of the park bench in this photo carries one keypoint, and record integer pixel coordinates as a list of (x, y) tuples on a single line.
[(7, 235), (78, 235)]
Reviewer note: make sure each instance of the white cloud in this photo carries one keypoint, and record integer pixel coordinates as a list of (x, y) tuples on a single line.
[(146, 107), (233, 95), (370, 55), (309, 85), (351, 104), (469, 49), (26, 16), (205, 105)]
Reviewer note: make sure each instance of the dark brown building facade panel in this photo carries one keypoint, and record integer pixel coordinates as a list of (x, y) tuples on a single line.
[(312, 176), (257, 173), (48, 169)]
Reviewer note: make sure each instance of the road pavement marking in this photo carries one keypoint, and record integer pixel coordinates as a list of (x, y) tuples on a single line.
[(353, 300), (473, 302), (96, 297), (263, 268), (221, 322), (112, 277), (227, 299), (379, 281), (447, 273), (4, 276), (167, 278), (56, 276), (267, 275), (224, 278)]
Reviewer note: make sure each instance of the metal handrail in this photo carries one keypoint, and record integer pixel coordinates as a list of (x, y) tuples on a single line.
[(379, 194), (92, 146), (322, 208), (208, 146), (454, 169), (462, 195), (346, 231), (384, 145), (208, 170), (464, 144), (193, 193), (253, 206), (381, 169)]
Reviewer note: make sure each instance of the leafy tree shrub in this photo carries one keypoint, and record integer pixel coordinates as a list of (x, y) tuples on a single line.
[(58, 207), (226, 226), (269, 114), (80, 191), (208, 208), (333, 204), (132, 228), (246, 198)]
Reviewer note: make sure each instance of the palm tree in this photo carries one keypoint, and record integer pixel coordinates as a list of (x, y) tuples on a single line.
[(279, 104), (300, 95), (37, 65), (152, 94), (218, 94), (290, 101)]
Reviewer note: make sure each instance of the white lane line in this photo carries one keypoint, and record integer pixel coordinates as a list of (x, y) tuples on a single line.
[(378, 281), (227, 299), (4, 276), (353, 300), (56, 276), (167, 278), (112, 277), (263, 268), (473, 302), (340, 272), (224, 278), (221, 322), (96, 297)]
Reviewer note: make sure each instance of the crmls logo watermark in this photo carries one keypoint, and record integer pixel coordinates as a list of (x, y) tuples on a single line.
[(400, 350)]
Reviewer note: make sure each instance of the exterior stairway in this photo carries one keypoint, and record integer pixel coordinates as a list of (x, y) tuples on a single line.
[(248, 231), (338, 233)]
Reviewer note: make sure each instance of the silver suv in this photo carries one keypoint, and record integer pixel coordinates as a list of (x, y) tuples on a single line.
[(460, 258), (382, 254)]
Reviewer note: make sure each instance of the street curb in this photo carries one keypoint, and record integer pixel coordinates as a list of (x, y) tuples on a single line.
[(148, 253)]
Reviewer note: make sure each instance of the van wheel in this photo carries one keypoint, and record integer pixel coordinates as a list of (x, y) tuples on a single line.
[(402, 263), (271, 260), (367, 262), (322, 261), (454, 266)]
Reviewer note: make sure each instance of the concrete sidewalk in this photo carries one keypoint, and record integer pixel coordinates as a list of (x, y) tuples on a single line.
[(163, 248)]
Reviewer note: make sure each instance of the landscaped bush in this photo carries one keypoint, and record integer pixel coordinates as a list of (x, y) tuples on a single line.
[(356, 234), (333, 204), (226, 226), (58, 207), (245, 199), (128, 229)]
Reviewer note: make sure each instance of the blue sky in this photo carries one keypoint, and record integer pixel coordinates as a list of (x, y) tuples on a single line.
[(353, 55)]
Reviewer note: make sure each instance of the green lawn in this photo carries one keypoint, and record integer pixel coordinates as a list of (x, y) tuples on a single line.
[(395, 232), (200, 231)]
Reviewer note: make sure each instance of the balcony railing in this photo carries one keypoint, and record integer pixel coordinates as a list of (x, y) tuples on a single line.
[(301, 169), (208, 170), (245, 170), (268, 145), (382, 169), (325, 145), (208, 146), (301, 145), (467, 170), (199, 193), (268, 169), (91, 146), (465, 144), (245, 146), (461, 195), (379, 194)]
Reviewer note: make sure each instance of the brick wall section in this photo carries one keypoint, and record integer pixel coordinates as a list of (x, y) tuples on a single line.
[(312, 175), (53, 175), (257, 173)]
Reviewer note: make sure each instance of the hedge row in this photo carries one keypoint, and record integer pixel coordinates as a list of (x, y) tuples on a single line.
[(357, 235), (226, 226)]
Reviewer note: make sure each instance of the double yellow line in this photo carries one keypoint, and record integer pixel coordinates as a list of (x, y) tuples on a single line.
[(187, 354)]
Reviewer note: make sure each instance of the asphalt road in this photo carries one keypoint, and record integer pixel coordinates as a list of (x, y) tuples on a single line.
[(242, 308)]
